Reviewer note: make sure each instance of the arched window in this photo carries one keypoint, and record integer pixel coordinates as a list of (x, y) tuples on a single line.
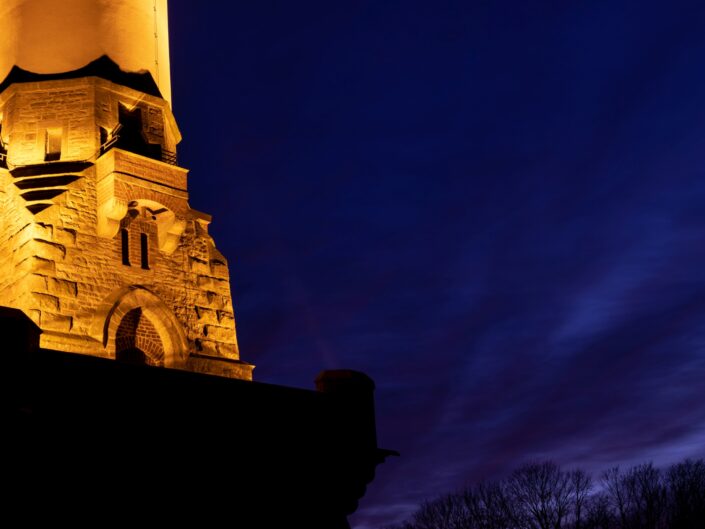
[(139, 236)]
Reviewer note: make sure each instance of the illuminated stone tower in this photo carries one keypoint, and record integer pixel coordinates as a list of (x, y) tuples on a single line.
[(98, 244)]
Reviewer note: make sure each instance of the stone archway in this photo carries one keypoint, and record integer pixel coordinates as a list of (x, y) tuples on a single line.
[(137, 340), (134, 319)]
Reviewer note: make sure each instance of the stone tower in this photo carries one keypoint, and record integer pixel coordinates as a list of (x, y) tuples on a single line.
[(98, 243)]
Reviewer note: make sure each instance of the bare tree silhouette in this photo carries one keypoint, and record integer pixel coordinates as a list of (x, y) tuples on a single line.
[(544, 496), (541, 495), (685, 483)]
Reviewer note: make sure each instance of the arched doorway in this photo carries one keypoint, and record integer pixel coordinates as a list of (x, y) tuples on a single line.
[(137, 340), (135, 318)]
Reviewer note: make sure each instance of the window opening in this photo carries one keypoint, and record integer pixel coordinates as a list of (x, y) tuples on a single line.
[(125, 247), (144, 240), (52, 145)]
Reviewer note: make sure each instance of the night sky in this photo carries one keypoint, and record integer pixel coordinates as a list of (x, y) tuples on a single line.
[(496, 209)]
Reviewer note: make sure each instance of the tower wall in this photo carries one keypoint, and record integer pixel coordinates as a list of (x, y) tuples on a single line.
[(96, 232), (56, 36)]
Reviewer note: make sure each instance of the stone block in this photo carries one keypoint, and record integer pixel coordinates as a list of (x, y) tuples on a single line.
[(35, 230), (219, 334), (62, 287), (35, 315), (219, 269), (208, 299), (207, 347), (36, 283), (37, 265), (66, 236), (205, 282), (226, 318), (229, 351), (206, 315), (56, 322), (42, 249), (214, 284), (46, 301), (199, 266)]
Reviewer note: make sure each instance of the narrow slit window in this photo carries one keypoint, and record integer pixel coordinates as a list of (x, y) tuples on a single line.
[(53, 145), (144, 241), (3, 149), (125, 247)]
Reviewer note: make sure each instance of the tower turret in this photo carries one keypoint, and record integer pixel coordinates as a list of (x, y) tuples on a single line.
[(51, 37), (98, 243)]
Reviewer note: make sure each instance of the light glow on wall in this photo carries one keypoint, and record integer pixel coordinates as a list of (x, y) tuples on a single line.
[(48, 36)]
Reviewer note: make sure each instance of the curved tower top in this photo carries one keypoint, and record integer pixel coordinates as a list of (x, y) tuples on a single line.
[(50, 36)]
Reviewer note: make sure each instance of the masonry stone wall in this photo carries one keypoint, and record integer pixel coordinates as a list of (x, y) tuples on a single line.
[(66, 226)]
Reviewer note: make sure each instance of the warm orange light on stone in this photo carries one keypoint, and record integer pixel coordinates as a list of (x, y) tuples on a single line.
[(52, 36), (95, 222)]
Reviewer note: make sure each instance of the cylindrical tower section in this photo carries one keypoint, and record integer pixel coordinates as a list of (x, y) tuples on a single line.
[(50, 36)]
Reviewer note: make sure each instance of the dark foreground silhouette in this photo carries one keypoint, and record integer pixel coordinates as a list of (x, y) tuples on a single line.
[(544, 496), (94, 442)]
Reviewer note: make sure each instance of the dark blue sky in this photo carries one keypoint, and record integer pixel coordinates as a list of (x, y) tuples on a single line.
[(494, 208)]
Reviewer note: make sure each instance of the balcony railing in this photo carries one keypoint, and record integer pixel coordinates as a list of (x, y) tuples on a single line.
[(153, 151)]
